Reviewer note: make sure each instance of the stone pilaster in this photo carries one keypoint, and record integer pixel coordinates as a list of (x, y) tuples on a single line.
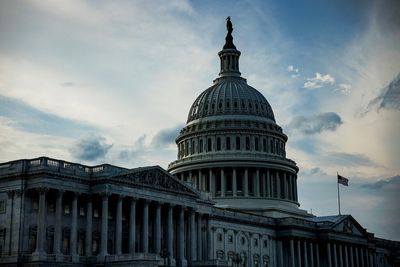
[(89, 226), (132, 226), (104, 224), (40, 253), (145, 227), (170, 233), (118, 226), (74, 228)]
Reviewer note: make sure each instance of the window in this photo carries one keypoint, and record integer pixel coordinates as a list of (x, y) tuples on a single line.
[(242, 240), (35, 204), (82, 211), (265, 243), (218, 143), (247, 143), (228, 143), (67, 209), (219, 237), (209, 144), (192, 148), (2, 206), (264, 145), (227, 104), (230, 238), (255, 242), (237, 143), (220, 105), (236, 104), (256, 146), (200, 145), (96, 213)]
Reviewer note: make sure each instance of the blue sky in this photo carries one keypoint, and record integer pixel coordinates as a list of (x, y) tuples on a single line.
[(100, 81)]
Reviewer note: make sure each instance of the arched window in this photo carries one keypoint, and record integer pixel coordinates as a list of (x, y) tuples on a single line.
[(271, 146), (228, 143), (238, 143), (201, 145), (256, 146), (209, 144), (218, 143), (193, 146), (247, 143)]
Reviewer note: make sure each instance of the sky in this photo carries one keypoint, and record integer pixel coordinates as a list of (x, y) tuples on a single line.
[(112, 82)]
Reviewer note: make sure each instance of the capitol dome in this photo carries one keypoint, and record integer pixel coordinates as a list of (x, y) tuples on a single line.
[(232, 150)]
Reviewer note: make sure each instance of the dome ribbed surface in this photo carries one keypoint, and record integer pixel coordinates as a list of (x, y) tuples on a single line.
[(232, 96)]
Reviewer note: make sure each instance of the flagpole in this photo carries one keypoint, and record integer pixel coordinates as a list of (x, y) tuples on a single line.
[(338, 192)]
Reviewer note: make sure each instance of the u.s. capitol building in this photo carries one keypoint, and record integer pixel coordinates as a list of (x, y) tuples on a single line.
[(230, 199)]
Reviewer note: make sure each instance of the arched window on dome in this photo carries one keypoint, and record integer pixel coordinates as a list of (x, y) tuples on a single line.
[(247, 143), (193, 147), (209, 144), (213, 106), (200, 145), (243, 105), (218, 143), (250, 105), (235, 104), (228, 143), (227, 104), (264, 145), (256, 145), (220, 105), (271, 146), (237, 142)]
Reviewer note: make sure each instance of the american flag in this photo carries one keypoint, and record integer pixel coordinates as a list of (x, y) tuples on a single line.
[(342, 180)]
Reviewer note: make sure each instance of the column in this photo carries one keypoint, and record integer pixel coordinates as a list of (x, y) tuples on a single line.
[(299, 252), (118, 226), (89, 217), (210, 240), (311, 255), (268, 184), (201, 187), (351, 256), (41, 222), (234, 183), (292, 253), (340, 255), (145, 227), (192, 227), (264, 184), (223, 183), (199, 238), (278, 185), (286, 186), (211, 182), (181, 232), (329, 258), (132, 226), (305, 253), (58, 224), (104, 224), (170, 232), (257, 185), (334, 255), (280, 254), (74, 228), (158, 228), (295, 187), (346, 256), (246, 183), (317, 252), (356, 256), (362, 256), (290, 185)]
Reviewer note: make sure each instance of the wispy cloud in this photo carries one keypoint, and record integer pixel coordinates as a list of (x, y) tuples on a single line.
[(328, 121), (318, 81), (389, 97), (392, 181), (166, 136), (349, 159), (344, 88), (90, 148)]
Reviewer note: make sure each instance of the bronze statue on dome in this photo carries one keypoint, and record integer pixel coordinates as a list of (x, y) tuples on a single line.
[(229, 39)]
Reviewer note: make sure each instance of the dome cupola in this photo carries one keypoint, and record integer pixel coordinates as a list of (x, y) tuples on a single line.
[(231, 148)]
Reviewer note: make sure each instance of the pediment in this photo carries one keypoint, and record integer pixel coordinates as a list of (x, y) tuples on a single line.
[(155, 178), (350, 226)]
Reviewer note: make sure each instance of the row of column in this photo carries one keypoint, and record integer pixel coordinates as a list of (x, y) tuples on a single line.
[(193, 240), (266, 183), (349, 255)]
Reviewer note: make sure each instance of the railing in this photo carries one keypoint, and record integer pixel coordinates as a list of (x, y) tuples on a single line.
[(57, 166)]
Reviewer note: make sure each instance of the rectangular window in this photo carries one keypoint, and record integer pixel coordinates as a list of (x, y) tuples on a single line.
[(82, 211), (238, 143), (256, 146), (218, 143), (67, 210), (208, 144), (228, 143), (96, 213), (264, 145), (200, 145), (247, 143), (230, 238)]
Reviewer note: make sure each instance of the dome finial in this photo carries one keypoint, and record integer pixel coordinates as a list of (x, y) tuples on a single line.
[(229, 39)]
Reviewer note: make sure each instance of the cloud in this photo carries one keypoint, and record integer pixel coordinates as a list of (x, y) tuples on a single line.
[(349, 159), (378, 185), (328, 121), (344, 88), (294, 71), (389, 97), (166, 136), (90, 148), (318, 81)]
